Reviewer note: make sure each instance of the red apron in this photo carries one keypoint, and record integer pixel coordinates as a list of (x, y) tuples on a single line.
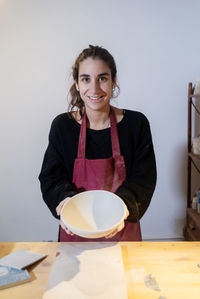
[(101, 174)]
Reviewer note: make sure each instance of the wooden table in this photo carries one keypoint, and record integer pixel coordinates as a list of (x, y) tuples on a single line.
[(175, 266)]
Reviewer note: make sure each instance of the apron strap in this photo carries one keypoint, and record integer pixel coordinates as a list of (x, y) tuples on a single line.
[(82, 138), (113, 132)]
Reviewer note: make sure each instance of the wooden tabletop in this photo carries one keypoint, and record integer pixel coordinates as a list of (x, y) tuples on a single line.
[(175, 266)]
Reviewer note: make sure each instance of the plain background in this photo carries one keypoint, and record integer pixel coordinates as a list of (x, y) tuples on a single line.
[(156, 47)]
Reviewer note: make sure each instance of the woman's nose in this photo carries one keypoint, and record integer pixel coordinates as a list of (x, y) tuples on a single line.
[(94, 86)]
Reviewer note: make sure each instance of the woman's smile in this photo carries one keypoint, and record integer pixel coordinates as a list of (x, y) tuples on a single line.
[(95, 98)]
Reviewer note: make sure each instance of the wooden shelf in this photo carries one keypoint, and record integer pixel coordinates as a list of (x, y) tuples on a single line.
[(192, 231), (193, 157), (190, 154), (195, 215), (193, 225), (194, 96), (194, 106)]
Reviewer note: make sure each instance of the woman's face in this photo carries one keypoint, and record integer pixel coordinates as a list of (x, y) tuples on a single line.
[(95, 84)]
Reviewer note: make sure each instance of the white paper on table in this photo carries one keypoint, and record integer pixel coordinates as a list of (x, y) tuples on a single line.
[(21, 259), (87, 270)]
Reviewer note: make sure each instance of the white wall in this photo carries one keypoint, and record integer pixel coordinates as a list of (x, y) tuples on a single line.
[(156, 46)]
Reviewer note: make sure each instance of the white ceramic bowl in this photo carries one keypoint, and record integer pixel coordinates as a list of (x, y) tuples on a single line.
[(93, 214)]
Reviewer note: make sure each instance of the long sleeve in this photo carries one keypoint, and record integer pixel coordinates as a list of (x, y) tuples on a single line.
[(55, 178), (138, 189)]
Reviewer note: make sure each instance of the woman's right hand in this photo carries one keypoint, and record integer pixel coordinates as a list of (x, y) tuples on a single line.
[(58, 211)]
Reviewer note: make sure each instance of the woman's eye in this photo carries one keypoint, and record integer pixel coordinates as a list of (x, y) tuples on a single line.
[(85, 79), (102, 79)]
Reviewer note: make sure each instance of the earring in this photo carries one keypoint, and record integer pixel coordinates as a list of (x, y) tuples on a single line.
[(115, 92)]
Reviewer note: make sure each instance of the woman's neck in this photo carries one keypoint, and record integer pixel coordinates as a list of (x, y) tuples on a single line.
[(103, 117), (98, 120)]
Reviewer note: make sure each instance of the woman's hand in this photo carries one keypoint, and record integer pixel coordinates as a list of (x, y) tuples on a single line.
[(119, 227), (58, 211)]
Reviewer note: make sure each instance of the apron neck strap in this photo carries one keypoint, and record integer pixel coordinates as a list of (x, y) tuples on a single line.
[(113, 132), (82, 138)]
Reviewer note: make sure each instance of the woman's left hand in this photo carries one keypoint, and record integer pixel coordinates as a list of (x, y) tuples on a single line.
[(119, 227)]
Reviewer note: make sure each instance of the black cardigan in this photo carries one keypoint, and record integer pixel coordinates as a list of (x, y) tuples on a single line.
[(135, 145)]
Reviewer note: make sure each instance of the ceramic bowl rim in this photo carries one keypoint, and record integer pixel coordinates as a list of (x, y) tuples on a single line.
[(98, 230)]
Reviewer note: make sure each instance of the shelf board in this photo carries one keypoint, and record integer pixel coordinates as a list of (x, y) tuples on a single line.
[(194, 96), (194, 214), (190, 154)]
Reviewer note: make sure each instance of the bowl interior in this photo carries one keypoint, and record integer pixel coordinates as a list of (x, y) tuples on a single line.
[(93, 210)]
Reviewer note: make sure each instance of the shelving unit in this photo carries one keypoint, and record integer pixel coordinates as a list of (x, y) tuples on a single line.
[(192, 232)]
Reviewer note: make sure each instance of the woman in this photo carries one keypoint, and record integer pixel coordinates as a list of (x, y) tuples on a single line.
[(97, 146)]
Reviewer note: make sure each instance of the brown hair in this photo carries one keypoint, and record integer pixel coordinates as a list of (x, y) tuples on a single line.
[(94, 52)]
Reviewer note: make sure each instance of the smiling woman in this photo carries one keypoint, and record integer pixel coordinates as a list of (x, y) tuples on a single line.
[(98, 146), (95, 87), (94, 74)]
